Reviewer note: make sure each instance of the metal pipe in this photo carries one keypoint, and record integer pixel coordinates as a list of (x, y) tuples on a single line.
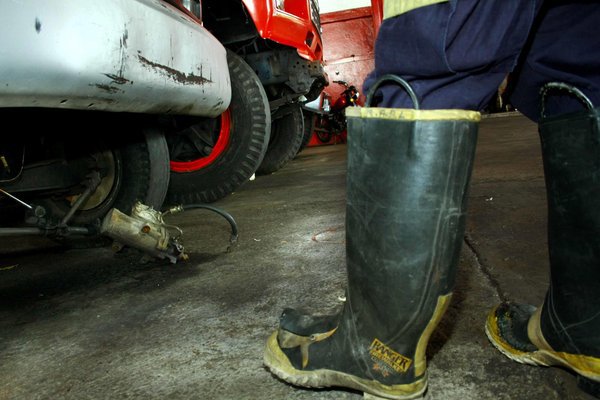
[(14, 198), (77, 230), (20, 231), (92, 184)]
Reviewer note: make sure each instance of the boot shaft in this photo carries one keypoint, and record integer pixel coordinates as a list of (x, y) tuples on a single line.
[(407, 185), (570, 143)]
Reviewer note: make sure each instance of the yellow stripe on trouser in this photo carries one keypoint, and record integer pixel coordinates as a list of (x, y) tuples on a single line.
[(392, 8)]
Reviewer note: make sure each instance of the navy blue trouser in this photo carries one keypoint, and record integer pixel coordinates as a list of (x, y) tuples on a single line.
[(456, 54)]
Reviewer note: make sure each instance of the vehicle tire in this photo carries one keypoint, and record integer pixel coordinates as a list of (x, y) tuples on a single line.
[(309, 127), (135, 169), (287, 133), (324, 136), (234, 143), (160, 170)]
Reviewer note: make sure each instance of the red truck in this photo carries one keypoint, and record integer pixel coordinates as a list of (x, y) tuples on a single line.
[(162, 102), (281, 42)]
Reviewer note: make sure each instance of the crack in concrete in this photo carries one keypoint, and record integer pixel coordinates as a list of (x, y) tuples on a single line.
[(484, 269)]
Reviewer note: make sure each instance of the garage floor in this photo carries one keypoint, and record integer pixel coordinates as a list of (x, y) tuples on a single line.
[(90, 324)]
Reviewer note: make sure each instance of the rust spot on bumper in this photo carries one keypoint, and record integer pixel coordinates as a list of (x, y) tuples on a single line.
[(119, 80), (108, 88), (177, 76)]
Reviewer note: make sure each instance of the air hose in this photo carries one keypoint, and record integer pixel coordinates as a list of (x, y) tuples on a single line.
[(184, 207)]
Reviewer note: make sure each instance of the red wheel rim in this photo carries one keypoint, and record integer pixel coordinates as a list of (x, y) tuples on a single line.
[(218, 149)]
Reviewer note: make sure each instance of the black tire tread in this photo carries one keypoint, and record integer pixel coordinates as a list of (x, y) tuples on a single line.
[(309, 124), (226, 175), (287, 133)]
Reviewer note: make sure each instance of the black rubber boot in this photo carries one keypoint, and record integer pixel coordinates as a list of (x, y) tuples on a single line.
[(565, 330), (407, 182)]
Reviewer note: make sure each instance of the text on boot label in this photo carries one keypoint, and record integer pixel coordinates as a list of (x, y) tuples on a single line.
[(396, 361)]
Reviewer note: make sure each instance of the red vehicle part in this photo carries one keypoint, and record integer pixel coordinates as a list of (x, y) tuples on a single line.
[(293, 26), (212, 157), (277, 45), (218, 149), (280, 40)]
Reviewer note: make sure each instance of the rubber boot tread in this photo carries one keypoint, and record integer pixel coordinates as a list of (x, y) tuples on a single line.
[(279, 364), (542, 357)]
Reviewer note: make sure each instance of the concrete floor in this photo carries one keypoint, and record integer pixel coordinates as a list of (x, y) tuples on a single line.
[(89, 324)]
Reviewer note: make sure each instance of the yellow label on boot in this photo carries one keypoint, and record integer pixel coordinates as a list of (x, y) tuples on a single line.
[(393, 359)]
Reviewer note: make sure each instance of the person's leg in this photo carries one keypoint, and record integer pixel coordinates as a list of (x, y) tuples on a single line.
[(565, 330), (455, 54), (408, 174), (563, 48)]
